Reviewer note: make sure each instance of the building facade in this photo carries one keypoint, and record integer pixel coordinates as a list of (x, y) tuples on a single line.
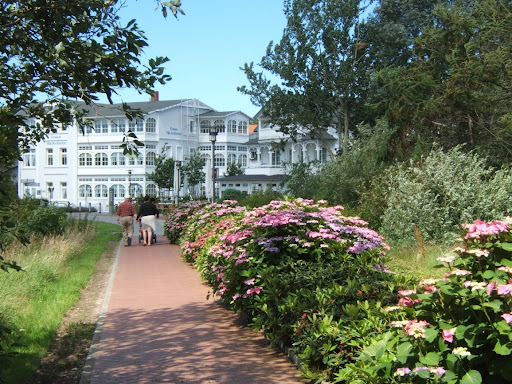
[(87, 167)]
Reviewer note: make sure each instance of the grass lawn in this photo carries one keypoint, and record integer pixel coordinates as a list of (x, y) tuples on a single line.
[(409, 260), (34, 301)]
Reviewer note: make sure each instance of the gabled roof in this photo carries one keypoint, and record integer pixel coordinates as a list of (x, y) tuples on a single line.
[(112, 110), (221, 114)]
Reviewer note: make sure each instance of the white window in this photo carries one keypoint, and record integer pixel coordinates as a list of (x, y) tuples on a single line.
[(136, 190), (231, 158), (242, 127), (64, 190), (85, 160), (50, 189), (100, 159), (192, 126), (151, 190), (276, 158), (205, 126), (150, 158), (117, 158), (118, 126), (140, 159), (253, 153), (49, 156), (136, 125), (242, 160), (220, 161), (232, 126), (100, 191), (85, 190), (323, 155), (101, 126), (118, 190), (219, 124), (63, 156), (150, 125), (29, 158)]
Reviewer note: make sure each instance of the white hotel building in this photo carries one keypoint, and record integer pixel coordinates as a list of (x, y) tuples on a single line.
[(90, 170)]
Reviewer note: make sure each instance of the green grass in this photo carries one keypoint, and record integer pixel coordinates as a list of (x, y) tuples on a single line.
[(408, 260), (33, 302)]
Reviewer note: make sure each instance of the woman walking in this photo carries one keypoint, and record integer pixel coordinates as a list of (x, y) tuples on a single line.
[(147, 216)]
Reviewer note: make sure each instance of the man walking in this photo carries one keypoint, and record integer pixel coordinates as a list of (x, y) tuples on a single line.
[(125, 214)]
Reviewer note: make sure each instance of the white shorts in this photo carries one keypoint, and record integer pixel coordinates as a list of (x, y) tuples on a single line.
[(148, 222)]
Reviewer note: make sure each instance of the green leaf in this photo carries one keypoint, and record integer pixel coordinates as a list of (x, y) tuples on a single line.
[(431, 334), (403, 352), (472, 377), (430, 358), (503, 348), (505, 246)]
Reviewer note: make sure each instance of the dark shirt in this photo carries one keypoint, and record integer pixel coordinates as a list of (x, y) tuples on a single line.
[(126, 208), (147, 208)]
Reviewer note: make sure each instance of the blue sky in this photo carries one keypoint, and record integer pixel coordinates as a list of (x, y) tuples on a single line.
[(206, 47)]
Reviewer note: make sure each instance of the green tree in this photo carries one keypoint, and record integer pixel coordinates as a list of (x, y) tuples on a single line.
[(456, 89), (233, 169), (54, 52), (56, 57), (319, 64), (193, 171), (163, 175)]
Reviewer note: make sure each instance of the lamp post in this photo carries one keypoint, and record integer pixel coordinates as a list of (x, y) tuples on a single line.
[(213, 138), (177, 181), (129, 182)]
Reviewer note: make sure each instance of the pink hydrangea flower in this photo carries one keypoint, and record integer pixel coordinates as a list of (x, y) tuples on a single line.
[(504, 289), (507, 317), (416, 328), (481, 229), (490, 287), (448, 335)]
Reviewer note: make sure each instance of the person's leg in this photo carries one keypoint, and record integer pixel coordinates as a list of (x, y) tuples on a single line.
[(124, 226), (130, 231), (145, 236), (150, 235)]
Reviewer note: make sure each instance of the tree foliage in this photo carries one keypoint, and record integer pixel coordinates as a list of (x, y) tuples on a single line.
[(456, 88), (233, 169), (53, 52), (319, 64), (193, 171), (163, 175), (56, 57)]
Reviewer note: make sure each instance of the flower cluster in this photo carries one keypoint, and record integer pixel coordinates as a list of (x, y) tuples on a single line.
[(462, 322)]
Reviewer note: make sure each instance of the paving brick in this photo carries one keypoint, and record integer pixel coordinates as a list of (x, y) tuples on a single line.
[(160, 328)]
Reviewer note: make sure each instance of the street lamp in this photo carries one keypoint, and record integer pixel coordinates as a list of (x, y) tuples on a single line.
[(213, 138), (177, 181), (129, 182)]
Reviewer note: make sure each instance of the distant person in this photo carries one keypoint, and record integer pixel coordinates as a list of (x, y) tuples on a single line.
[(125, 214), (147, 215)]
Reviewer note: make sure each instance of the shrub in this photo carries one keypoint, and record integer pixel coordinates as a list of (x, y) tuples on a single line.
[(234, 194), (296, 269), (442, 192), (179, 217), (454, 330)]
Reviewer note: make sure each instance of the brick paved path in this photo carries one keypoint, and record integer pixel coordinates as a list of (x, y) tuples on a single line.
[(160, 328)]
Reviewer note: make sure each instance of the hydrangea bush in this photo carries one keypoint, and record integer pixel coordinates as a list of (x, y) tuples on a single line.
[(301, 271), (179, 217), (454, 330)]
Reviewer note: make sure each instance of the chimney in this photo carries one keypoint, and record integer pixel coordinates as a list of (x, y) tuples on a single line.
[(154, 96)]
